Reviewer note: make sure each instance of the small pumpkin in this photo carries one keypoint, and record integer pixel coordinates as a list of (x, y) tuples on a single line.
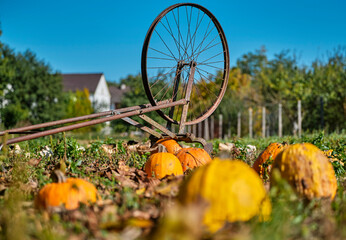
[(193, 157), (171, 145), (232, 190), (308, 171), (262, 165), (67, 193), (161, 164)]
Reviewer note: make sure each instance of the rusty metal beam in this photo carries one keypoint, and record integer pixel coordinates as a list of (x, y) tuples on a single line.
[(22, 130), (140, 126), (157, 125), (95, 121), (54, 123), (187, 96)]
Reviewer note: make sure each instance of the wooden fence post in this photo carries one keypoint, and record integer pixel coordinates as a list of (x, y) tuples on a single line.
[(263, 122), (206, 129), (212, 127), (239, 125), (200, 129), (250, 123), (194, 132), (220, 126), (299, 118), (280, 120)]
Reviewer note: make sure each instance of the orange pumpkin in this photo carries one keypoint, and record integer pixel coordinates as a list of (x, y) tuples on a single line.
[(161, 164), (170, 144), (193, 157), (271, 151), (308, 171), (67, 193)]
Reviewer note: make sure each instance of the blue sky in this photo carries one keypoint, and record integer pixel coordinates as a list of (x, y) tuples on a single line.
[(107, 36)]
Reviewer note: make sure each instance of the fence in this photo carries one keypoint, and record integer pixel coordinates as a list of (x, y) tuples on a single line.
[(216, 127)]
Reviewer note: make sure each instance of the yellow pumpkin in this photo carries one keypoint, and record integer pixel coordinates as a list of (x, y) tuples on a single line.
[(161, 164), (271, 151), (67, 193), (308, 171), (193, 157), (232, 190), (170, 144)]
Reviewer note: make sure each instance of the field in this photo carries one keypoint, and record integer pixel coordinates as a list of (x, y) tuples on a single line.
[(134, 206)]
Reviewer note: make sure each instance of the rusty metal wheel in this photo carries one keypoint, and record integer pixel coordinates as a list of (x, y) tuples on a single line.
[(181, 34)]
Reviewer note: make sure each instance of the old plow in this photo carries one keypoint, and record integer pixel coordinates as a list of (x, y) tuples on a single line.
[(185, 68)]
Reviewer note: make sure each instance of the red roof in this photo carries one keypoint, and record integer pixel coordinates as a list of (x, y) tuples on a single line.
[(79, 81)]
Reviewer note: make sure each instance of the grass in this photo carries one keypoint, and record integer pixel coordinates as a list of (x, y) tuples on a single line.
[(134, 208)]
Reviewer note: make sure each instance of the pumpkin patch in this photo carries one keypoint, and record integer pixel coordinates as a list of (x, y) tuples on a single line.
[(148, 196)]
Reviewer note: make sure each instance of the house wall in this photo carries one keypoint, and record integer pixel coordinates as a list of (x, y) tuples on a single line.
[(102, 97)]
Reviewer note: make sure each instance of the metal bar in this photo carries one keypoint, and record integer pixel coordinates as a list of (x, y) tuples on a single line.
[(75, 119), (180, 66), (129, 109), (93, 122), (157, 125), (53, 123), (187, 97), (140, 126)]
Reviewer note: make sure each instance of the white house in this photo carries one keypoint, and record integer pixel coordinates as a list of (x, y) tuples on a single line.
[(100, 96)]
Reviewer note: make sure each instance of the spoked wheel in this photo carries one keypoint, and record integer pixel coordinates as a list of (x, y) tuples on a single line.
[(183, 35)]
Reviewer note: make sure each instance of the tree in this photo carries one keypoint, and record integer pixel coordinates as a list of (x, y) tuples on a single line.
[(30, 91), (328, 85), (79, 104)]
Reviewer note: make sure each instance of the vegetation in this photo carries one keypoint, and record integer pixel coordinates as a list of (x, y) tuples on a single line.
[(30, 92), (79, 104), (258, 82), (135, 207)]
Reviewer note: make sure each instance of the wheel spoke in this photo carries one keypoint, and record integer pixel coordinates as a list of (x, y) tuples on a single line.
[(168, 59), (163, 53), (204, 85), (214, 56), (158, 78), (205, 62), (181, 35), (216, 77), (205, 37), (205, 49), (175, 40), (166, 45)]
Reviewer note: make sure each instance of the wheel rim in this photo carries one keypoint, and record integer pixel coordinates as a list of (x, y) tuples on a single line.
[(180, 34)]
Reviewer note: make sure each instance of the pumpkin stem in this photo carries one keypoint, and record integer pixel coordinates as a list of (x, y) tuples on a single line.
[(58, 176), (161, 148), (62, 166)]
